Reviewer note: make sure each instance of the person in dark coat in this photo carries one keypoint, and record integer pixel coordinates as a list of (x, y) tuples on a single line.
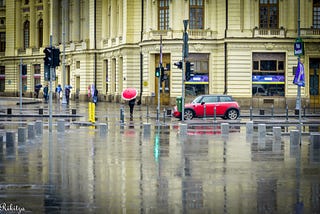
[(67, 94), (131, 106), (46, 93)]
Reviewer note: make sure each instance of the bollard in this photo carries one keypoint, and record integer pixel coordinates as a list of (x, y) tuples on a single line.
[(146, 129), (10, 139), (183, 129), (103, 129), (294, 138), (315, 140), (261, 131), (39, 127), (250, 113), (277, 134), (287, 112), (204, 111), (22, 134), (225, 128), (41, 111), (215, 113), (61, 125), (31, 131), (121, 115), (272, 111), (164, 116), (249, 128)]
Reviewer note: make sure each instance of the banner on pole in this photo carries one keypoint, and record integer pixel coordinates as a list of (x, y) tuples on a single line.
[(299, 75)]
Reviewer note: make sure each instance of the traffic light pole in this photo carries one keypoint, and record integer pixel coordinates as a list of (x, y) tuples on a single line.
[(64, 100), (50, 92), (159, 80), (185, 52)]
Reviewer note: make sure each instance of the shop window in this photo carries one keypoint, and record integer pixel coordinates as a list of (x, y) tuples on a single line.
[(268, 76), (199, 82)]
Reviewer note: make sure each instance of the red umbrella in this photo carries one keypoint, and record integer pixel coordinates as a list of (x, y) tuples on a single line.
[(129, 93)]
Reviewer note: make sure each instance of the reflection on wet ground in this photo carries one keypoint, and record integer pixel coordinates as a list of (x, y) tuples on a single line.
[(127, 170)]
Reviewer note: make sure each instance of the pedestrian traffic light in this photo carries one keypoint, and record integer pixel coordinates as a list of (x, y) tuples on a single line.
[(56, 57), (178, 64), (24, 70), (163, 74), (157, 72), (48, 59), (46, 72), (189, 70)]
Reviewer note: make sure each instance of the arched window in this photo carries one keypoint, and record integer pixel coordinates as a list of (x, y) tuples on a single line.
[(40, 33), (26, 34)]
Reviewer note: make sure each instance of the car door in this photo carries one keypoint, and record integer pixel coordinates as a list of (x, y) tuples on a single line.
[(223, 105), (209, 102)]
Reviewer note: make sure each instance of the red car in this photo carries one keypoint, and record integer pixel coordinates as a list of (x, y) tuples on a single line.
[(205, 105)]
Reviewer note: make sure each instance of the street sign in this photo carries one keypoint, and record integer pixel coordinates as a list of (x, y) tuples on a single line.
[(298, 47)]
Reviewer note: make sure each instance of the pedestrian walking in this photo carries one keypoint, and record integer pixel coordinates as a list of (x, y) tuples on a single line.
[(46, 93), (95, 96), (131, 106), (58, 92), (67, 93)]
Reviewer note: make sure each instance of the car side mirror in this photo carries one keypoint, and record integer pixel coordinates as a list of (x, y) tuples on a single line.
[(202, 103)]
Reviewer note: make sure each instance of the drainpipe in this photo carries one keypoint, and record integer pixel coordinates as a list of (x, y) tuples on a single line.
[(226, 52), (141, 56)]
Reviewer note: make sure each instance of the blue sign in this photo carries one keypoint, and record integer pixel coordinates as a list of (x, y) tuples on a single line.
[(298, 47), (263, 79), (299, 76)]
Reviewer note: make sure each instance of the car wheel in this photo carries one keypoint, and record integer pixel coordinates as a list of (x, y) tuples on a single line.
[(232, 114), (188, 114)]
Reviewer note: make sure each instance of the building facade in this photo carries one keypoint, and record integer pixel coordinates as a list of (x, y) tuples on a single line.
[(244, 48)]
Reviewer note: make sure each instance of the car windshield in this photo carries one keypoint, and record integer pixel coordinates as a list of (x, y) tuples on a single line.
[(197, 99)]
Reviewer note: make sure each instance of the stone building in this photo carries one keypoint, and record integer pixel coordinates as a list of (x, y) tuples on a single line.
[(244, 48)]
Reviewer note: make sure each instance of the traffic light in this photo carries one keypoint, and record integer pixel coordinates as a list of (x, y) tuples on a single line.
[(48, 59), (56, 57), (46, 72), (189, 70), (157, 72), (178, 64), (163, 74), (24, 70)]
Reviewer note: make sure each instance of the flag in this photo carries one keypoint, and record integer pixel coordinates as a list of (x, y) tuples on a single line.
[(299, 76)]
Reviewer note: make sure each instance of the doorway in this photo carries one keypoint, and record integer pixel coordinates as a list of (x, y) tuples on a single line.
[(165, 83), (314, 66)]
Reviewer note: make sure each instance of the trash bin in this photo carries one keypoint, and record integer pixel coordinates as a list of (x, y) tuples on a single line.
[(179, 104)]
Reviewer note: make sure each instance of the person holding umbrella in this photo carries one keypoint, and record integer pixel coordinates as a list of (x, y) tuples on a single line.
[(130, 95), (131, 106)]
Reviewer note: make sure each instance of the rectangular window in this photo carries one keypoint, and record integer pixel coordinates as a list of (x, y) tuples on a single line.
[(163, 14), (196, 14), (37, 74), (268, 13), (2, 41), (199, 81), (2, 78), (268, 76), (316, 14)]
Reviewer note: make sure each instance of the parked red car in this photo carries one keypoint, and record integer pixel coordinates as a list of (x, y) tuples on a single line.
[(205, 105)]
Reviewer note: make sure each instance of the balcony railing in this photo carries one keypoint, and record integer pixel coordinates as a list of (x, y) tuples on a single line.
[(277, 32), (310, 32)]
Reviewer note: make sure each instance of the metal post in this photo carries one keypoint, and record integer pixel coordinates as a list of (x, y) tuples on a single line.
[(185, 25), (20, 85), (159, 80), (64, 100), (250, 113)]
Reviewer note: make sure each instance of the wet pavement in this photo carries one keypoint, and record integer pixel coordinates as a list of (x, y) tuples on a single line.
[(127, 170)]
